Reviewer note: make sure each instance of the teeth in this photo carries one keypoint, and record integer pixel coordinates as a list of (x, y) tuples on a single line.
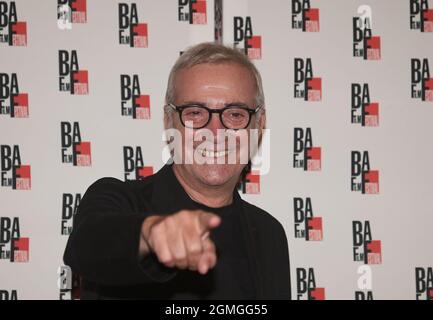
[(213, 154)]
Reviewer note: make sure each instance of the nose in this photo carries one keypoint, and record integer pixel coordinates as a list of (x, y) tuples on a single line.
[(215, 123)]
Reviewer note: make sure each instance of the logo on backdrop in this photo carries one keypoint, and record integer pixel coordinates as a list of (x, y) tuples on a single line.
[(365, 45), (132, 102), (74, 150), (131, 31), (421, 82), (364, 112), (70, 12), (244, 38), (13, 247), (8, 295), (364, 283), (306, 86), (69, 284), (14, 174), (365, 249), (304, 17), (71, 78), (12, 31), (306, 285), (250, 182), (70, 203), (305, 154), (424, 283), (363, 179), (12, 102), (421, 17), (307, 226), (192, 11), (133, 164)]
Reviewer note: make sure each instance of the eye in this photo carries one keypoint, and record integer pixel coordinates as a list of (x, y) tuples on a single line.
[(236, 114), (194, 112)]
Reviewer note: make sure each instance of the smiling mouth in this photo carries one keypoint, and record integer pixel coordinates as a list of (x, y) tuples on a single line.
[(213, 154)]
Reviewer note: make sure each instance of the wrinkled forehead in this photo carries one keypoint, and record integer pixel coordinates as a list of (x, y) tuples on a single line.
[(215, 82)]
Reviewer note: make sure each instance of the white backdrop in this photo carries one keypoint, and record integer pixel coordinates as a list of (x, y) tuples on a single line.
[(399, 147)]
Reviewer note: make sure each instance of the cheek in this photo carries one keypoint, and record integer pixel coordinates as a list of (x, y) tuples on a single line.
[(243, 140)]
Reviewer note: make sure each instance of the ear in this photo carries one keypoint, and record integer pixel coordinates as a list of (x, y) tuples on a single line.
[(167, 120)]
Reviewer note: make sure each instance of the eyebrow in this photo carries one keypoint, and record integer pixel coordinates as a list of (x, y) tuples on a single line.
[(228, 104)]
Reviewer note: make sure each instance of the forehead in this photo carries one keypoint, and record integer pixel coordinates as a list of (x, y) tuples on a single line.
[(227, 81)]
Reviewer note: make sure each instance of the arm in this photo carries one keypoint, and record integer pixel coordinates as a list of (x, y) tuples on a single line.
[(104, 244), (115, 243)]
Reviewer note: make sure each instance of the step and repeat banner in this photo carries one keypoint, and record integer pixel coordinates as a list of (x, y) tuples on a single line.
[(349, 100)]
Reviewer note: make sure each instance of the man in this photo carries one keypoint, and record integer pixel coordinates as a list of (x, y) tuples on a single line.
[(185, 233)]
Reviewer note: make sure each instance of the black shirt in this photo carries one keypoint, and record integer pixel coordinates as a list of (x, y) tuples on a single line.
[(252, 255), (231, 276)]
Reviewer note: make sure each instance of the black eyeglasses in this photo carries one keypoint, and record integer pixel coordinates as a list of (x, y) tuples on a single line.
[(232, 116)]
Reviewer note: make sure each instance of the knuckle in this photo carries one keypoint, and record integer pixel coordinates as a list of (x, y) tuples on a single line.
[(170, 220), (155, 239), (156, 230), (164, 257), (181, 263), (178, 255), (194, 248), (183, 213)]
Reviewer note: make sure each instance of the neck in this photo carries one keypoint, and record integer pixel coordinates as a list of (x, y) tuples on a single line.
[(211, 196)]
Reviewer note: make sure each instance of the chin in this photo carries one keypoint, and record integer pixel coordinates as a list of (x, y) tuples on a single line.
[(216, 174)]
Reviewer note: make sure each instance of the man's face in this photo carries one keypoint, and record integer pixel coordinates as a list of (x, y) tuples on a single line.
[(215, 86)]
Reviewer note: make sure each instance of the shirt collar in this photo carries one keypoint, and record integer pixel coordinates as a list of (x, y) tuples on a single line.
[(169, 196)]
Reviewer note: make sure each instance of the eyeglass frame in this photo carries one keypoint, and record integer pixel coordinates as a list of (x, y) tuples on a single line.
[(250, 111)]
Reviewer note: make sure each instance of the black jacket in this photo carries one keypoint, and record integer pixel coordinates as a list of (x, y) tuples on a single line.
[(103, 246)]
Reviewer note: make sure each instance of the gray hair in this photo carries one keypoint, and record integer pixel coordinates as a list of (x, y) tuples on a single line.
[(214, 53)]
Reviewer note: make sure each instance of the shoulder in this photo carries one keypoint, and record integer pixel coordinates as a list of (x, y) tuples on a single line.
[(262, 218), (114, 184), (109, 189)]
